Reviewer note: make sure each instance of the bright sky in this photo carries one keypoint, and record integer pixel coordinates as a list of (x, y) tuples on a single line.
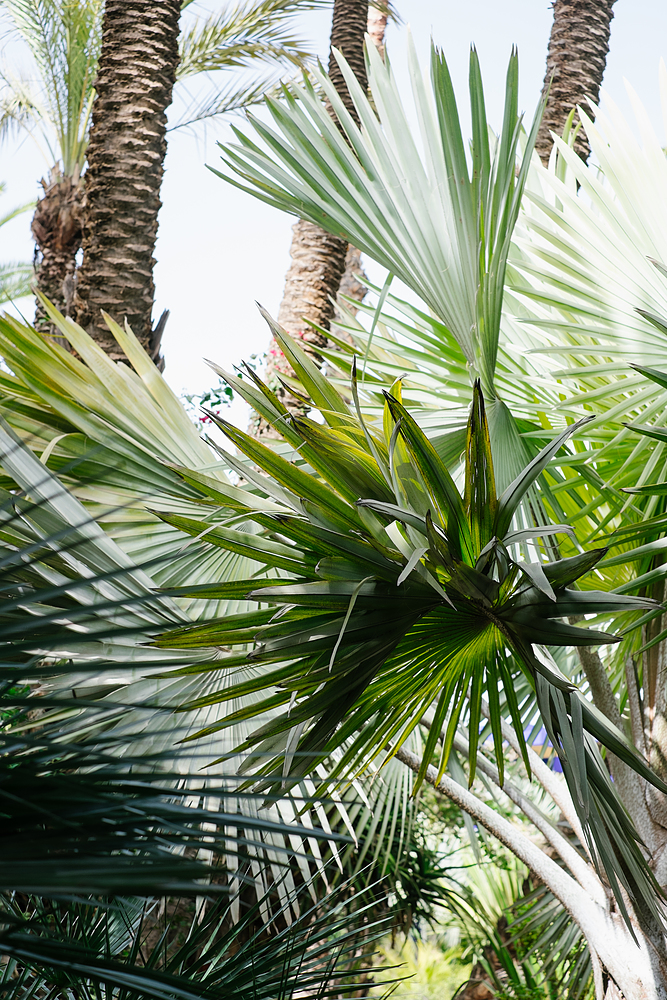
[(220, 250)]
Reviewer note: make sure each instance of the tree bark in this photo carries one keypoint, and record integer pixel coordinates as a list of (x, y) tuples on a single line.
[(578, 47), (318, 259), (125, 155), (56, 229)]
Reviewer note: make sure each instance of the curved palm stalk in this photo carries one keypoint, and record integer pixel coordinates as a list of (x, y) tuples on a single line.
[(366, 659)]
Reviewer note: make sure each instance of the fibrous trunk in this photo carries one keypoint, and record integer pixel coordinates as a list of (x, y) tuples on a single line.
[(56, 228), (318, 258), (578, 48), (126, 153)]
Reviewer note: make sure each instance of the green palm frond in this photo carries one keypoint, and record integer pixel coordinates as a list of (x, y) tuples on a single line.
[(241, 34), (406, 595), (64, 38), (15, 276), (15, 281), (120, 462), (91, 948), (440, 224), (75, 613), (20, 106), (258, 36)]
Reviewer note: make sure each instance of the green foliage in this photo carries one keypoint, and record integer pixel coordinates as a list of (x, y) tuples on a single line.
[(440, 225), (241, 36), (405, 595), (15, 277), (84, 823), (64, 38), (428, 971)]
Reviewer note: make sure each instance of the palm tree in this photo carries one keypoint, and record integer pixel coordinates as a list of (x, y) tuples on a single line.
[(63, 38), (583, 301), (126, 151), (408, 601), (138, 68), (409, 214), (578, 47)]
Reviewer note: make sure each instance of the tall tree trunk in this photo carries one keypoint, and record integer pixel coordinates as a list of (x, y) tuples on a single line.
[(318, 259), (56, 228), (578, 47), (352, 283), (125, 155)]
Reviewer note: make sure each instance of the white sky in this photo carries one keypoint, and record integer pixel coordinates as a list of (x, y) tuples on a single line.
[(219, 250)]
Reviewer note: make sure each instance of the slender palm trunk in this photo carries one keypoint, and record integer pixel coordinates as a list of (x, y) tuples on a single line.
[(56, 228), (634, 962), (318, 259), (126, 154), (578, 47), (352, 283)]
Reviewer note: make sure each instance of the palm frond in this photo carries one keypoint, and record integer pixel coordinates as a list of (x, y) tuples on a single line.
[(120, 463), (440, 225), (242, 34), (91, 946), (15, 281), (406, 595), (63, 37)]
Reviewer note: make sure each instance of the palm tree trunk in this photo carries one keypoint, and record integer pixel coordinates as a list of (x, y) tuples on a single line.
[(578, 47), (318, 259), (56, 228), (125, 155)]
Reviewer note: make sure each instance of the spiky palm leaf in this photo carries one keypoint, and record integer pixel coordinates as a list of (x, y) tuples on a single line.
[(405, 595), (92, 948), (241, 36), (120, 461), (455, 222)]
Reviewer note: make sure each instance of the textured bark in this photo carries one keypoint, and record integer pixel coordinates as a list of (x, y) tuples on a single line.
[(56, 228), (318, 258), (348, 30), (125, 166), (578, 48)]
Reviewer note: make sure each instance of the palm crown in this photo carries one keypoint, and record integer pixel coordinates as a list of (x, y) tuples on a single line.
[(405, 596)]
